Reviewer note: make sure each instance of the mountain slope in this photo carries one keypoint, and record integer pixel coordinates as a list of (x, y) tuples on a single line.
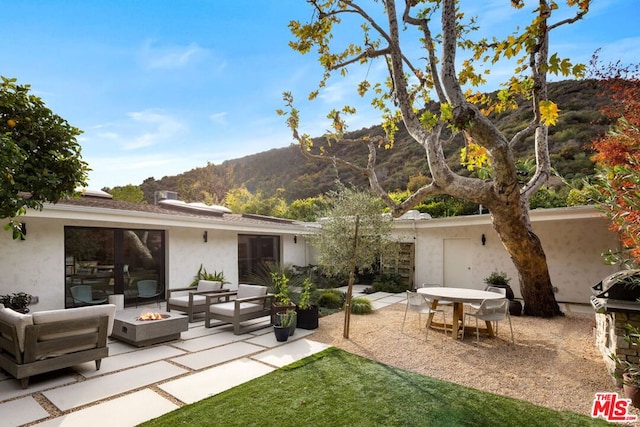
[(579, 123)]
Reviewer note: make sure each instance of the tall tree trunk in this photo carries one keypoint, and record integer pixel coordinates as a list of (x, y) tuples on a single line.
[(524, 247), (347, 303)]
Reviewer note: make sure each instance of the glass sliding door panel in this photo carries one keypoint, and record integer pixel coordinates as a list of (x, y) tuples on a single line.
[(89, 266), (104, 261), (142, 259), (255, 251)]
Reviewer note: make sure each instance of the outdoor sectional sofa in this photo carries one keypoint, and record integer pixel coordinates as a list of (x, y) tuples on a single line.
[(45, 341)]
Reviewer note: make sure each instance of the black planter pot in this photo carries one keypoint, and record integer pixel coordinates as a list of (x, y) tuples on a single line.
[(308, 318), (281, 333), (277, 308), (293, 326), (515, 308)]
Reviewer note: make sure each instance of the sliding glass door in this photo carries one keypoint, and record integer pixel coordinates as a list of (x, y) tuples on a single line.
[(255, 250), (104, 261)]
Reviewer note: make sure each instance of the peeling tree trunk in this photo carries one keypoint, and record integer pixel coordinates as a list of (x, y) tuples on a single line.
[(525, 249)]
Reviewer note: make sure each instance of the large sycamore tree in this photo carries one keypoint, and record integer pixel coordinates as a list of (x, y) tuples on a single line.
[(432, 53)]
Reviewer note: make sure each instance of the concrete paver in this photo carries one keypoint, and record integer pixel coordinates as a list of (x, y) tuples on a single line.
[(128, 360), (215, 356), (209, 341), (125, 411), (95, 389), (10, 388), (215, 380), (294, 351), (21, 411)]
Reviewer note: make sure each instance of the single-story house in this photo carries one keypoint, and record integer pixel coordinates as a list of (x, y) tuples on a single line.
[(109, 246)]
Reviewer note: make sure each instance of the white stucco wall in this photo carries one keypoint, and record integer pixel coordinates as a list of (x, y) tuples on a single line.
[(573, 248), (186, 250), (296, 252), (573, 252), (35, 265)]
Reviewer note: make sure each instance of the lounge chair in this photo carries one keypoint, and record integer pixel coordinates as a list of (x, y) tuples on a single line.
[(251, 302), (192, 300)]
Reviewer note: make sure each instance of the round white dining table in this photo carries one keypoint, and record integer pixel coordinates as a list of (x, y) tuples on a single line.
[(459, 296)]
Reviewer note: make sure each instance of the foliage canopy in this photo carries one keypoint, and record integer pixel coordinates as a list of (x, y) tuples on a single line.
[(618, 158), (40, 157), (336, 241)]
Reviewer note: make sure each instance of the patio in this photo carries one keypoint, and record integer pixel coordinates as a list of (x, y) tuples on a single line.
[(139, 384), (554, 364)]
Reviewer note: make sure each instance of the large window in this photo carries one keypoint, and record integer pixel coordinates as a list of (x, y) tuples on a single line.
[(254, 251), (104, 261)]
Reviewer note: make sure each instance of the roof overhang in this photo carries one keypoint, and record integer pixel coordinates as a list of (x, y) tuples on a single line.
[(536, 215), (98, 215)]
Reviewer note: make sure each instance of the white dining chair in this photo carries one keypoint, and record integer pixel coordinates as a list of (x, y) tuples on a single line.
[(502, 291), (436, 285), (491, 311), (422, 305)]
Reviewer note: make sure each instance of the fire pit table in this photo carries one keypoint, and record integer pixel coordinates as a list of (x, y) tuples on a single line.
[(149, 328)]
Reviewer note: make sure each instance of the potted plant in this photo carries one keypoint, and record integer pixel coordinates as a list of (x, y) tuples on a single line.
[(17, 301), (281, 300), (285, 325), (629, 372), (501, 280), (307, 308)]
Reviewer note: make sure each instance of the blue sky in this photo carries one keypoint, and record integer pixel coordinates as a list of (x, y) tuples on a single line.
[(161, 87)]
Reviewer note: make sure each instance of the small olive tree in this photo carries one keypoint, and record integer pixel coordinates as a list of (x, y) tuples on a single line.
[(354, 234), (39, 155)]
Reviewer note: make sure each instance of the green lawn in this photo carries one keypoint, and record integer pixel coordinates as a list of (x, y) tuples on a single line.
[(336, 388)]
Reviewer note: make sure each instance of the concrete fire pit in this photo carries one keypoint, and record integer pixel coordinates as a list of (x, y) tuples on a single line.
[(130, 328)]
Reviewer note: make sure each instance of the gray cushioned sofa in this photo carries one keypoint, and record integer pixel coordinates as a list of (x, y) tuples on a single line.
[(45, 341)]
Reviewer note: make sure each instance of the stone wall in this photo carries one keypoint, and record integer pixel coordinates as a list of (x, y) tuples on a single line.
[(609, 337)]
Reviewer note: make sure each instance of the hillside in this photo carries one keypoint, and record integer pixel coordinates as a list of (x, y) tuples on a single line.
[(579, 123)]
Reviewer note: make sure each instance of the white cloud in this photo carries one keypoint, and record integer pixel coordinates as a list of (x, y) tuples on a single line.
[(133, 169), (171, 57), (219, 118), (108, 135), (152, 128), (626, 50)]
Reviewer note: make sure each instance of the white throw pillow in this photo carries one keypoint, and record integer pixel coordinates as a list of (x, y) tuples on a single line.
[(246, 291), (208, 286), (19, 320), (49, 316)]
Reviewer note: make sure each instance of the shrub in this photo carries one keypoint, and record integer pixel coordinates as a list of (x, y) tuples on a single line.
[(331, 299), (390, 283), (361, 305)]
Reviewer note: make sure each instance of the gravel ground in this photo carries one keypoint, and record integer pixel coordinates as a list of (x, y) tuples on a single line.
[(554, 362)]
